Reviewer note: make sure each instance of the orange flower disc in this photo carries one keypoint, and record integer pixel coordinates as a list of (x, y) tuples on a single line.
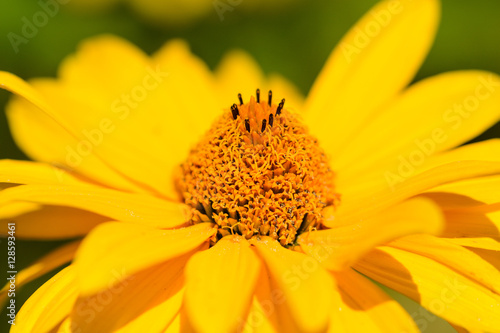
[(258, 172)]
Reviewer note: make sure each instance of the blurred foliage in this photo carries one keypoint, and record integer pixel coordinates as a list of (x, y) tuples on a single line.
[(294, 41)]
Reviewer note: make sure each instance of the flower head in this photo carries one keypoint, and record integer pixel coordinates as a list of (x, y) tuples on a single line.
[(210, 211)]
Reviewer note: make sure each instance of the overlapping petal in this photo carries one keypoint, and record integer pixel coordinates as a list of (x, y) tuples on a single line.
[(433, 115), (369, 68), (220, 284), (339, 247), (357, 204), (153, 298), (129, 248), (117, 205), (437, 287), (49, 305), (304, 283), (360, 306)]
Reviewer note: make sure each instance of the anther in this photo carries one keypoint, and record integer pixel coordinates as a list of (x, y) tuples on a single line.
[(280, 107), (235, 111), (241, 99), (263, 125), (258, 95), (270, 98), (271, 119), (247, 125)]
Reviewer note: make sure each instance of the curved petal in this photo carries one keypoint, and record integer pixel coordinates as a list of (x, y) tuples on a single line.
[(472, 192), (436, 287), (136, 120), (433, 115), (45, 136), (305, 285), (360, 306), (358, 204), (339, 247), (454, 256), (121, 206), (214, 277), (476, 242), (49, 222), (45, 264), (147, 301), (469, 224), (129, 248), (49, 305), (369, 68), (26, 172)]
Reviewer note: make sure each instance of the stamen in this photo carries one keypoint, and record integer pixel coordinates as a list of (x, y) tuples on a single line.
[(263, 125), (271, 119), (247, 125), (258, 95), (270, 98), (280, 107), (235, 111), (241, 99)]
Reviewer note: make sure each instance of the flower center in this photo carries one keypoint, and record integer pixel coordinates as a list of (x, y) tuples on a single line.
[(258, 172)]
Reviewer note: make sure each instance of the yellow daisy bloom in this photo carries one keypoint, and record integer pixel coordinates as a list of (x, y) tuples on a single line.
[(207, 211)]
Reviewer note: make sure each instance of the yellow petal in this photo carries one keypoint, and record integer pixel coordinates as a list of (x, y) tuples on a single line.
[(360, 306), (469, 223), (257, 320), (46, 136), (305, 284), (117, 205), (382, 176), (134, 120), (454, 256), (433, 115), (130, 248), (49, 305), (214, 277), (47, 263), (147, 301), (339, 247), (476, 242), (357, 205), (24, 172), (238, 72), (478, 192), (369, 68), (436, 287), (49, 222)]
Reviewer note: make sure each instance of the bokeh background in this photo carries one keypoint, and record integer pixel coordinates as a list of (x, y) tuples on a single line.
[(291, 37)]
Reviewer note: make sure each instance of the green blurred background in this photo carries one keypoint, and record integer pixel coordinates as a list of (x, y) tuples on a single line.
[(293, 40)]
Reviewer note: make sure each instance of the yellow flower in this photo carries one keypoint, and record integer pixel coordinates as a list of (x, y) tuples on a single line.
[(181, 12), (267, 235)]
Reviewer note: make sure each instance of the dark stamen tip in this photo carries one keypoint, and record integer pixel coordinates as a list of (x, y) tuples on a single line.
[(258, 95), (247, 125), (271, 119), (235, 111), (280, 107), (241, 99), (263, 125), (270, 99)]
